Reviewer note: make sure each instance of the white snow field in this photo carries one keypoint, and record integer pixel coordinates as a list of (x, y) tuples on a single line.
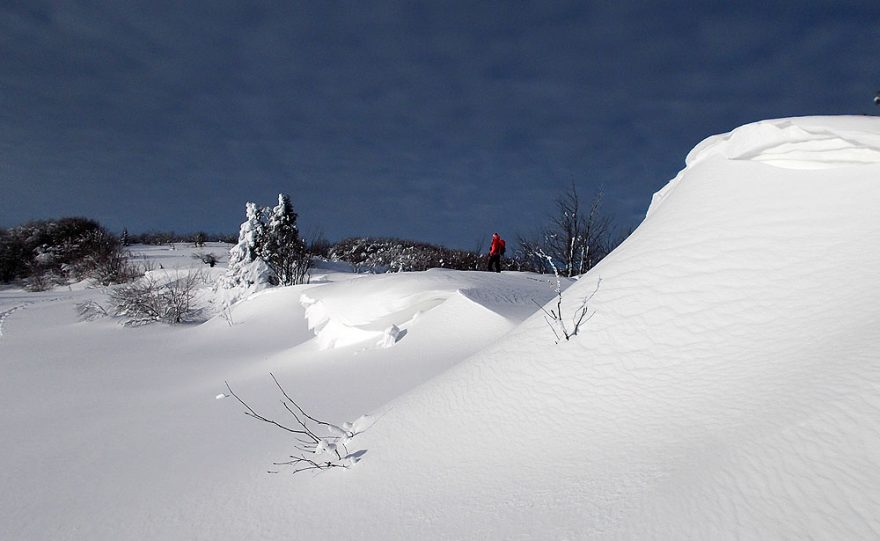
[(727, 385)]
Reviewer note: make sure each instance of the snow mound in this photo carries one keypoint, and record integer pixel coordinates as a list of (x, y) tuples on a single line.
[(379, 310), (725, 388)]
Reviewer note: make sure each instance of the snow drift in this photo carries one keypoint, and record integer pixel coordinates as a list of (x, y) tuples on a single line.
[(727, 386), (380, 309)]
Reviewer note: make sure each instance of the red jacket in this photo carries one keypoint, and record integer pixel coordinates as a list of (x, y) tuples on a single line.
[(497, 247)]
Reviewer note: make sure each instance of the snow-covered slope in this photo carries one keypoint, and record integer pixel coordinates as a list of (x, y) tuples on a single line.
[(727, 386), (115, 433)]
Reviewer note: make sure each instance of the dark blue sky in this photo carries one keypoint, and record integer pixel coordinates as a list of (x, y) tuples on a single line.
[(437, 121)]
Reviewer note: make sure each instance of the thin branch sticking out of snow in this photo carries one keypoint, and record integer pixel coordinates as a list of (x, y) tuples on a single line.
[(310, 442), (555, 319)]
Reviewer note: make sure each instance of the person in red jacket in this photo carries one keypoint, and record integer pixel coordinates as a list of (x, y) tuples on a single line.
[(495, 252)]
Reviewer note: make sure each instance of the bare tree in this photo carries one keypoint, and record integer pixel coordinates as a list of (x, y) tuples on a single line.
[(316, 242), (575, 234), (529, 254), (576, 238)]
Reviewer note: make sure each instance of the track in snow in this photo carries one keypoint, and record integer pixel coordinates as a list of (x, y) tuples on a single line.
[(5, 314)]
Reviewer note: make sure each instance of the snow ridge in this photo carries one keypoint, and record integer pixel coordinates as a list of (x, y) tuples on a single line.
[(792, 144), (804, 143)]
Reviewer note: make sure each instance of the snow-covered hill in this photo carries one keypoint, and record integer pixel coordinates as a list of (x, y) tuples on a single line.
[(725, 387)]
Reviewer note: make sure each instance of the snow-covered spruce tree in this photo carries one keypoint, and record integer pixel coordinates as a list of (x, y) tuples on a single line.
[(283, 250), (246, 267)]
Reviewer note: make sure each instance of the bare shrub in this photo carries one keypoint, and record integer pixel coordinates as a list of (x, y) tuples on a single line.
[(113, 268), (561, 326), (91, 310), (319, 445), (43, 280), (151, 300), (145, 265)]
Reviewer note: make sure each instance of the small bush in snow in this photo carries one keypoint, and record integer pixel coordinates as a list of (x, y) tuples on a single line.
[(562, 327), (319, 445), (91, 310), (151, 300), (114, 267)]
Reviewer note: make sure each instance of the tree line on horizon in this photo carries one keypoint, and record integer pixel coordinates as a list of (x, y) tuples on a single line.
[(43, 253)]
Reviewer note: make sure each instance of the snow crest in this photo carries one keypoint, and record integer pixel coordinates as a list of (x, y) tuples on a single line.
[(805, 144), (792, 144), (371, 318), (379, 310)]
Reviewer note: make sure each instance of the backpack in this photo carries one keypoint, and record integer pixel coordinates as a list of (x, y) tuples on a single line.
[(502, 245)]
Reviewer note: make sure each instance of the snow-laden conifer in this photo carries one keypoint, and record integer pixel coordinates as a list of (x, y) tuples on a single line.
[(246, 267), (269, 250), (283, 250)]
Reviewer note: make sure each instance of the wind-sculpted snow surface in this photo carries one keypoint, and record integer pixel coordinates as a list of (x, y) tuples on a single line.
[(378, 310), (726, 388), (795, 143), (97, 410)]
